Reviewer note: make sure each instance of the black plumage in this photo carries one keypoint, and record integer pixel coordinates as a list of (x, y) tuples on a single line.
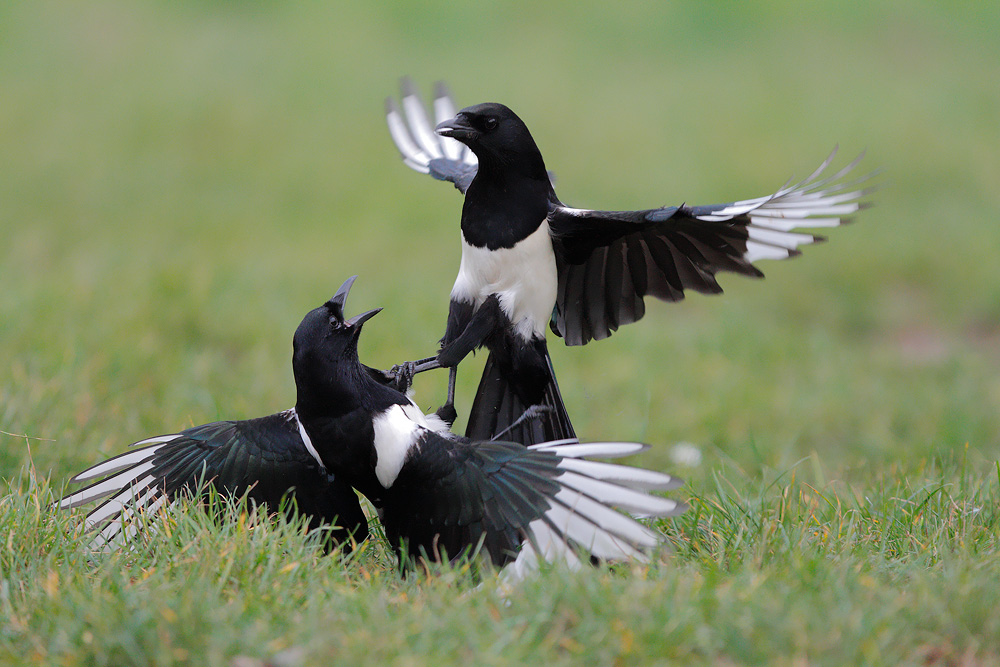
[(269, 460), (593, 270), (438, 495)]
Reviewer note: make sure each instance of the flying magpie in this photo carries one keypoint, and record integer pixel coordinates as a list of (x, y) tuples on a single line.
[(437, 494), (528, 259)]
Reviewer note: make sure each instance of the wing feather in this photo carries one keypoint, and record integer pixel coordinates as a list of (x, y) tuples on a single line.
[(264, 459), (672, 249), (525, 503)]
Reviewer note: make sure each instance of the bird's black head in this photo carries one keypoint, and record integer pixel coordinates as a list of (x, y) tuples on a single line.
[(496, 135), (325, 346)]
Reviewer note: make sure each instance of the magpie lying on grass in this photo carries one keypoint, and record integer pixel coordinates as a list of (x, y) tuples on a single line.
[(269, 459), (437, 494), (528, 259)]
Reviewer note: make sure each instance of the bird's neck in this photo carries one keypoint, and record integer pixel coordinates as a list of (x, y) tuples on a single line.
[(503, 167), (505, 203), (330, 391)]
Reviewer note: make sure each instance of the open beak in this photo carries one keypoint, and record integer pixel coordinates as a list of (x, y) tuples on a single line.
[(358, 320), (340, 298), (456, 128)]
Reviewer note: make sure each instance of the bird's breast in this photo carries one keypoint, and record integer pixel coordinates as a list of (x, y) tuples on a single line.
[(523, 277)]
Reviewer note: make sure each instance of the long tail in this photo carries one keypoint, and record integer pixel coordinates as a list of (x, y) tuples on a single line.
[(498, 406)]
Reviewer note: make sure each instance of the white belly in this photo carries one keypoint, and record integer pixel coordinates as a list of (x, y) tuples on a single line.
[(523, 277)]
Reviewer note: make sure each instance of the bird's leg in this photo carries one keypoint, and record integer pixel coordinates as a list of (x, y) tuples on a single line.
[(531, 412), (447, 412), (483, 323), (480, 325)]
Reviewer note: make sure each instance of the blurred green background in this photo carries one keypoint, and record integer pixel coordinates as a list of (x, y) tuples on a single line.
[(181, 181)]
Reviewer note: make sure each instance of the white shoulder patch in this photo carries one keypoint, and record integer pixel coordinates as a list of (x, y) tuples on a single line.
[(430, 421), (397, 431)]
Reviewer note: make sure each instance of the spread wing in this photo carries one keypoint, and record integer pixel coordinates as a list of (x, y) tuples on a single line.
[(264, 458), (523, 504), (422, 149), (608, 261)]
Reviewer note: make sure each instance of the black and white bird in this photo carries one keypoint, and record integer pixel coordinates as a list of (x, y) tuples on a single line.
[(270, 459), (436, 493), (529, 260)]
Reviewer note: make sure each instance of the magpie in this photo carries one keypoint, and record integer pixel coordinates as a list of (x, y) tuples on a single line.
[(528, 259), (271, 460), (438, 495), (441, 496)]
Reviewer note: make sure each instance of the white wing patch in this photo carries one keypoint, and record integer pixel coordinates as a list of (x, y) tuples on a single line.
[(817, 201), (397, 431), (414, 134)]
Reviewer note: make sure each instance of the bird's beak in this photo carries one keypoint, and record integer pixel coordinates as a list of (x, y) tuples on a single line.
[(456, 128), (340, 298), (358, 320)]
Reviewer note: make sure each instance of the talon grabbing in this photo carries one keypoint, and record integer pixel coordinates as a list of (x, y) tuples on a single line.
[(401, 376)]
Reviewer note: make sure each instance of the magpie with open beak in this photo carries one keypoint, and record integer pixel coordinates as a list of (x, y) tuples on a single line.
[(271, 460), (529, 260)]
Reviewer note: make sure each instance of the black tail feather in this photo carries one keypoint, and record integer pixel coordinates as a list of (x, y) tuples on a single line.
[(498, 406)]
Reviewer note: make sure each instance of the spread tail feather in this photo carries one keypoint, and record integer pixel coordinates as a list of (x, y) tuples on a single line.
[(498, 406)]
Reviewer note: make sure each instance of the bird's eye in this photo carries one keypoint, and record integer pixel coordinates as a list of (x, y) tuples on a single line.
[(490, 123)]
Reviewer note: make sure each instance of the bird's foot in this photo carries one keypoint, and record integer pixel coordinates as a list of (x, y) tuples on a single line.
[(530, 413), (401, 375), (447, 413)]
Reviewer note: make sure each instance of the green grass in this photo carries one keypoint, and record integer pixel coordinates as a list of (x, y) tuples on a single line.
[(182, 182)]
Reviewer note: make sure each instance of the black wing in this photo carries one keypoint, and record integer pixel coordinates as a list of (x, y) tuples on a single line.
[(265, 459), (609, 260), (523, 504), (422, 149)]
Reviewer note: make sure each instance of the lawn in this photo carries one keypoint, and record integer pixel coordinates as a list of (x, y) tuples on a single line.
[(182, 181)]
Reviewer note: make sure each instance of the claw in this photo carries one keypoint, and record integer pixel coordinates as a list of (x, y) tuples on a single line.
[(530, 413), (401, 375)]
